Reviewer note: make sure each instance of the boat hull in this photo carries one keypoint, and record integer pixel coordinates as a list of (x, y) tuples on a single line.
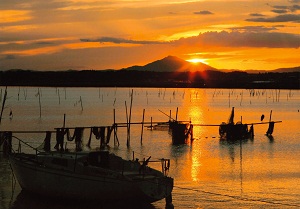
[(72, 185)]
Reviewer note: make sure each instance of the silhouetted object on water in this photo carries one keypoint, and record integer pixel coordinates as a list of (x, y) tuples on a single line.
[(89, 175)]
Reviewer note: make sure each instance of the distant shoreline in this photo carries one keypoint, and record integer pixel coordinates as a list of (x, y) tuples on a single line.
[(132, 78)]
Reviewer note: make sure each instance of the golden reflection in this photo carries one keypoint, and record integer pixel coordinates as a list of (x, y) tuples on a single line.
[(193, 107)]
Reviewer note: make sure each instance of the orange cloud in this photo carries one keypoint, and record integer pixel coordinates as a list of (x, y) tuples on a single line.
[(8, 16)]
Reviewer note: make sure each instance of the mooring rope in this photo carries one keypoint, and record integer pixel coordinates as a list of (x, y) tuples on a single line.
[(238, 197)]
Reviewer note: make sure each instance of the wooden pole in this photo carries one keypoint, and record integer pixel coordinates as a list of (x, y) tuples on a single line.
[(176, 113), (142, 126), (64, 125), (3, 103), (229, 98), (40, 102), (129, 120), (58, 96), (81, 104), (114, 126)]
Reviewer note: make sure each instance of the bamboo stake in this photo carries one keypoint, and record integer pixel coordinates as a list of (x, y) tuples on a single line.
[(142, 126), (64, 124), (81, 104), (229, 98), (58, 96), (40, 102), (3, 103), (115, 130), (18, 93), (129, 120)]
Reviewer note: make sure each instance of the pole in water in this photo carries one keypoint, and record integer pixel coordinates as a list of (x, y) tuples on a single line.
[(40, 102), (64, 124), (142, 126)]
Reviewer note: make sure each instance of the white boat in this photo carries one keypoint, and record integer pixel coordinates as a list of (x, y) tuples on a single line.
[(93, 175)]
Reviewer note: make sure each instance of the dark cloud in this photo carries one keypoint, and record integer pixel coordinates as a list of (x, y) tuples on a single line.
[(280, 7), (203, 12), (10, 57), (256, 15), (280, 18), (292, 8), (44, 43), (243, 39), (119, 41), (294, 1), (279, 11), (259, 28)]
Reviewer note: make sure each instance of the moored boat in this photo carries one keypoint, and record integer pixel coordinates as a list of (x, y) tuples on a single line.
[(90, 175)]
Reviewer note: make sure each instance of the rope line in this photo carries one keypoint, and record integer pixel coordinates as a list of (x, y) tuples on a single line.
[(238, 197)]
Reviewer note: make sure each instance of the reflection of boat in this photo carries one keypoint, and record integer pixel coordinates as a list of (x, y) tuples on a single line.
[(93, 175), (25, 200)]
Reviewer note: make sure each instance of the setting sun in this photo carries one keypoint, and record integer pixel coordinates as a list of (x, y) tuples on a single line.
[(197, 60)]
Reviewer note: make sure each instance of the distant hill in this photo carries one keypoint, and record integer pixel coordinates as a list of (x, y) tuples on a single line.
[(167, 72), (175, 64), (287, 70), (171, 64)]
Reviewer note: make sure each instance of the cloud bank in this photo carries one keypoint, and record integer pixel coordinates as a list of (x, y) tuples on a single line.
[(244, 39), (119, 41), (280, 18)]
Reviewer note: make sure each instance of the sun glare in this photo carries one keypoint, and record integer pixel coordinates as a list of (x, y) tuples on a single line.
[(197, 60)]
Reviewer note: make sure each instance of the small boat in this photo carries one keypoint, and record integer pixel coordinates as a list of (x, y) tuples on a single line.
[(238, 130), (231, 130), (90, 175)]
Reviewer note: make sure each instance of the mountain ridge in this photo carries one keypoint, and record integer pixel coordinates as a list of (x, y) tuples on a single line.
[(171, 64), (175, 64)]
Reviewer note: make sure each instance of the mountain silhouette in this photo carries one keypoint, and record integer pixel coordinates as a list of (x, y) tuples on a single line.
[(172, 64)]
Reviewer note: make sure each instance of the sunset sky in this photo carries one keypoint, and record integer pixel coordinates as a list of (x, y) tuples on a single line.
[(93, 34)]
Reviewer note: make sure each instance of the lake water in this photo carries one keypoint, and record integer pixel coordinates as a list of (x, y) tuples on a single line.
[(208, 173)]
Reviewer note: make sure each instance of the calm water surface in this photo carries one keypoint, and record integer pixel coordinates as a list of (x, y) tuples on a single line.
[(208, 173)]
